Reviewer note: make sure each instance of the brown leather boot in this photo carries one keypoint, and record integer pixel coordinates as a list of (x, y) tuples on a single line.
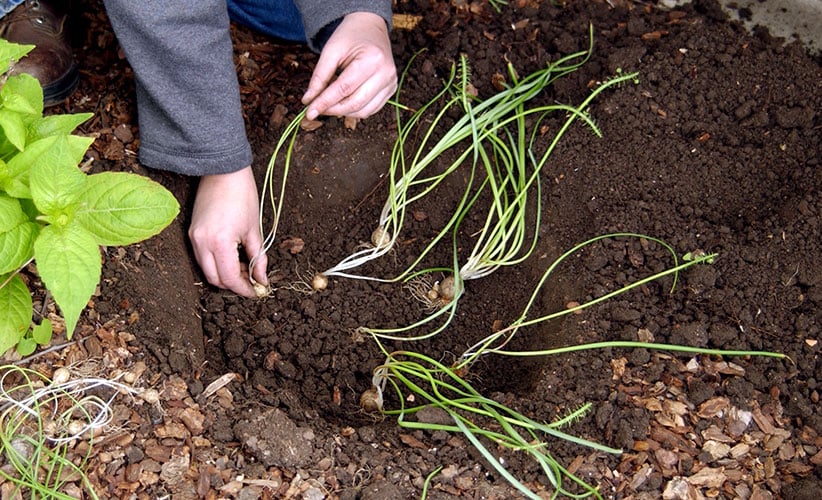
[(52, 62)]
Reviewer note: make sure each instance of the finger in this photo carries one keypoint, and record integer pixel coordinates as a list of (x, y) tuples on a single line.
[(360, 106), (323, 75), (254, 250), (208, 267), (230, 272), (346, 86)]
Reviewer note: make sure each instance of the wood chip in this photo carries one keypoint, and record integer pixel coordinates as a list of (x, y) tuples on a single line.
[(764, 422), (617, 365), (413, 442), (350, 122), (520, 24), (667, 459), (716, 449), (193, 420), (640, 477), (675, 407), (645, 335), (310, 125), (738, 421), (713, 407), (678, 488), (714, 433), (174, 430), (576, 464), (654, 35), (740, 450), (221, 382), (278, 116), (405, 21), (708, 477), (419, 215), (449, 472), (294, 245)]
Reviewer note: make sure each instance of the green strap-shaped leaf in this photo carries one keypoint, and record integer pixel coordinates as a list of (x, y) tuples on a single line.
[(15, 304), (13, 128), (16, 246), (68, 260), (121, 208), (55, 181)]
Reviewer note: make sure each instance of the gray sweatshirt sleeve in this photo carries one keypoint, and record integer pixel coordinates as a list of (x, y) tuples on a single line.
[(319, 14), (188, 97)]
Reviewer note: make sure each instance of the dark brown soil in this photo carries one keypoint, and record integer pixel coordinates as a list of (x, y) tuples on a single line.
[(716, 149)]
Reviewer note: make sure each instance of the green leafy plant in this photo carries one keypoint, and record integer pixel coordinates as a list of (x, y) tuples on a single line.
[(268, 192), (420, 381), (483, 421), (506, 137), (416, 171), (54, 214)]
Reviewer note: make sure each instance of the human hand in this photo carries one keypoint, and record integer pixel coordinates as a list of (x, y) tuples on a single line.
[(225, 215), (361, 49)]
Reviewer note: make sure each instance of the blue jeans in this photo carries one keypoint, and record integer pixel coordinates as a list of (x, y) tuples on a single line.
[(277, 18), (7, 6)]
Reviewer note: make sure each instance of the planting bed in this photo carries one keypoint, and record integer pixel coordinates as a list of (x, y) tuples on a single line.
[(717, 148)]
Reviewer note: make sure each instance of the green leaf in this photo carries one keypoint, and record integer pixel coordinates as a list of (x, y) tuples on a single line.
[(13, 127), (26, 346), (19, 104), (46, 150), (56, 125), (11, 213), (11, 52), (55, 181), (68, 260), (15, 302), (16, 246), (23, 94), (18, 168), (42, 333), (28, 208), (121, 208), (7, 151)]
